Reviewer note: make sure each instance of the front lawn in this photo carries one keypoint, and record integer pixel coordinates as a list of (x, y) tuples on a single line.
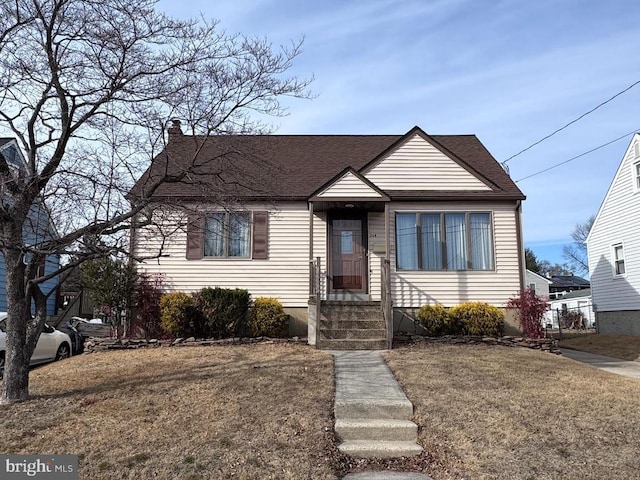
[(245, 412), (506, 413)]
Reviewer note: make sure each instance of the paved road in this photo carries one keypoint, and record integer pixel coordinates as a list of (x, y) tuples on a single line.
[(609, 364)]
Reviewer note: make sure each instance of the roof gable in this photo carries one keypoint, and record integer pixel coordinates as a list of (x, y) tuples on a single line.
[(418, 162), (350, 184), (620, 180)]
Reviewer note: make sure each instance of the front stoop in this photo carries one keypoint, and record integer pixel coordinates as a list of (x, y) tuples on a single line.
[(373, 415), (351, 325)]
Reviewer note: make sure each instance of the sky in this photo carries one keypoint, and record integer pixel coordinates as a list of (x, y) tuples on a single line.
[(509, 71)]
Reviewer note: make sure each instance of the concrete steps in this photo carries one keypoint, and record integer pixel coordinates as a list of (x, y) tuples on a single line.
[(372, 409), (389, 429), (373, 415), (351, 325), (351, 344), (380, 448)]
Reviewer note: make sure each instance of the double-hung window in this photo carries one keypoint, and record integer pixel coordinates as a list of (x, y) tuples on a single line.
[(227, 234), (618, 260), (636, 175), (444, 241)]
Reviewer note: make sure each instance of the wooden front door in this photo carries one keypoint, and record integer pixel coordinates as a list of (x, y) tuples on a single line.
[(348, 253)]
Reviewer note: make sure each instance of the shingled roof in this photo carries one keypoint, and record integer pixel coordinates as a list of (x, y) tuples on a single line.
[(295, 166)]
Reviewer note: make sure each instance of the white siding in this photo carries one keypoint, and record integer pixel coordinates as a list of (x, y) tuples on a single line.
[(285, 274), (349, 186), (415, 288), (418, 165), (618, 221)]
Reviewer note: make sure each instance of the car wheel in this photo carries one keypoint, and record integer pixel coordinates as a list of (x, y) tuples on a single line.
[(64, 351)]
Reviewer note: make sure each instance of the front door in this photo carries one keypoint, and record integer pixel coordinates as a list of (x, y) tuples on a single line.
[(348, 252)]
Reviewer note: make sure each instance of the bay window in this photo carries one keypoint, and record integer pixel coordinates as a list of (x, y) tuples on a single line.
[(444, 241)]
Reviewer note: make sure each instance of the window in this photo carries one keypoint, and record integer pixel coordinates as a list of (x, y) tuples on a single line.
[(532, 287), (444, 241), (227, 234), (618, 260), (636, 176)]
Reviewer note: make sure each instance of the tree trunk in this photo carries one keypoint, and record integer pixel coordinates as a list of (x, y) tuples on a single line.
[(22, 332)]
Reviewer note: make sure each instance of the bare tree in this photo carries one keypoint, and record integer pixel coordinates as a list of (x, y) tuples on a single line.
[(87, 87), (576, 254)]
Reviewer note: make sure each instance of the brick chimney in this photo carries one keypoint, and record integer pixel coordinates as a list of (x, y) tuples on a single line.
[(174, 130)]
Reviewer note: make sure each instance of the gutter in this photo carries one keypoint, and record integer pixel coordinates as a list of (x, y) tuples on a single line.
[(521, 256)]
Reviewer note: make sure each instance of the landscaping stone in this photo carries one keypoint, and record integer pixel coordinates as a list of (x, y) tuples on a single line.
[(99, 344), (544, 344)]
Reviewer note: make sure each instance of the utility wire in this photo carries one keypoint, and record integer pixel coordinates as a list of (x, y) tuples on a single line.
[(578, 156), (571, 122)]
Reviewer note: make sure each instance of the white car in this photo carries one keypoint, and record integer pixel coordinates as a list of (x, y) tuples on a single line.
[(52, 345)]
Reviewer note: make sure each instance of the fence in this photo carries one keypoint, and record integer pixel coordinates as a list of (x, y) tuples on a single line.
[(573, 318)]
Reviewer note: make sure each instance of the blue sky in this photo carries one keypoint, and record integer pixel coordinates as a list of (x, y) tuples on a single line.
[(509, 71)]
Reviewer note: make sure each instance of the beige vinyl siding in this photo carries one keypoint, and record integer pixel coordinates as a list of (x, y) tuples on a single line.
[(418, 165), (376, 237), (415, 288), (349, 186), (617, 222), (284, 274)]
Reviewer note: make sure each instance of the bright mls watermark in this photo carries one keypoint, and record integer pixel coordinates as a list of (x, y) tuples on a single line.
[(50, 467)]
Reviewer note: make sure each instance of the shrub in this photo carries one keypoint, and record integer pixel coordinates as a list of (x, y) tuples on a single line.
[(176, 312), (478, 318), (268, 318), (434, 319), (223, 311), (530, 310), (147, 300)]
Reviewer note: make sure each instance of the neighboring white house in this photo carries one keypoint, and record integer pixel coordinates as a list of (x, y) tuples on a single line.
[(578, 301), (614, 250), (537, 283), (377, 219)]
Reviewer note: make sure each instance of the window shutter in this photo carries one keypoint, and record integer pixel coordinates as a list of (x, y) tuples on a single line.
[(260, 235), (195, 237)]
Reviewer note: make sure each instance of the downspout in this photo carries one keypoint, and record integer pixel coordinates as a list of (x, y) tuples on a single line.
[(521, 264)]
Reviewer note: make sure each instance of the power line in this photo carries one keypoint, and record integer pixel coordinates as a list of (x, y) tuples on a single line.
[(578, 156), (571, 122)]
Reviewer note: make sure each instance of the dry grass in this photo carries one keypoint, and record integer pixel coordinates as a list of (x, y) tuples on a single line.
[(626, 347), (244, 412), (506, 413)]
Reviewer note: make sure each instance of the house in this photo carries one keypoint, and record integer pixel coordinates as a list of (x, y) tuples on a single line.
[(578, 301), (613, 246), (537, 283), (563, 284), (40, 227), (338, 227)]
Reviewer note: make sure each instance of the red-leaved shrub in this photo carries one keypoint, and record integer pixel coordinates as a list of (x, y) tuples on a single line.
[(530, 310), (149, 291)]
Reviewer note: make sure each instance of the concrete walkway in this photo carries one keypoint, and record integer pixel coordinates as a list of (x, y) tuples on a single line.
[(609, 364), (386, 476), (373, 415)]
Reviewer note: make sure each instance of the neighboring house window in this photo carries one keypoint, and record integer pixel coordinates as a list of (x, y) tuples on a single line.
[(532, 287), (636, 175), (227, 234), (618, 260), (444, 241)]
